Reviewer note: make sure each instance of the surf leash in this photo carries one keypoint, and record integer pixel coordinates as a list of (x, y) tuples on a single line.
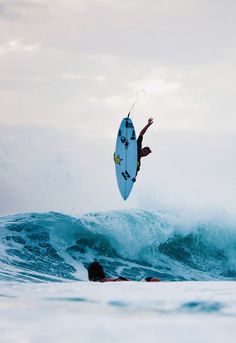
[(137, 99)]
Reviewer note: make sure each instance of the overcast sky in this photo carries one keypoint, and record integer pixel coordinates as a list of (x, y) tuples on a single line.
[(73, 68)]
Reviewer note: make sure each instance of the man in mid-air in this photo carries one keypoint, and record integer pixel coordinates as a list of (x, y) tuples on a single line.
[(142, 152)]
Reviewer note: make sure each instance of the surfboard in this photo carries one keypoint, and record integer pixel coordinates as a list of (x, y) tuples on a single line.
[(125, 157)]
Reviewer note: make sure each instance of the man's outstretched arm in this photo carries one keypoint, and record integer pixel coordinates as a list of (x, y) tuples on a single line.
[(150, 122)]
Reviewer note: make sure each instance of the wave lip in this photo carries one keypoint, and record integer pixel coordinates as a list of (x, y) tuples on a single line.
[(51, 246)]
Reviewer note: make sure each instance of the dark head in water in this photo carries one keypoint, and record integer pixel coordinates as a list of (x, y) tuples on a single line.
[(95, 272), (145, 151)]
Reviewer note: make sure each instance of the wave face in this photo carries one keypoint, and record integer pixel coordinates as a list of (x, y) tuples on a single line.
[(135, 244)]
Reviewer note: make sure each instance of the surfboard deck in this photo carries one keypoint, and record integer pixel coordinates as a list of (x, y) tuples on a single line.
[(125, 157)]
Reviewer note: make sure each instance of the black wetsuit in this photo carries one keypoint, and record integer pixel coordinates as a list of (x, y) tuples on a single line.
[(139, 147)]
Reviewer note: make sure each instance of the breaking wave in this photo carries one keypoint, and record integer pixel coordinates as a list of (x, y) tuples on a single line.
[(38, 247)]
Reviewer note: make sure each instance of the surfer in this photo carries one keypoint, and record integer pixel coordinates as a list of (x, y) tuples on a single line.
[(142, 152), (96, 274)]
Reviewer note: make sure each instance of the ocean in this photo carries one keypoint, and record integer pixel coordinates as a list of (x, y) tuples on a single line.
[(45, 295)]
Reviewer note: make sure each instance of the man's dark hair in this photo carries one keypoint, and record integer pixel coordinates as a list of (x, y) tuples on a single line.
[(95, 272)]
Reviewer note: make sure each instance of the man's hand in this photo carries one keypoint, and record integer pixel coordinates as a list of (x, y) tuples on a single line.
[(150, 121)]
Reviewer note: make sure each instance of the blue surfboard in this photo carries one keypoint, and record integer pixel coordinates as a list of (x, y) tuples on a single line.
[(125, 157)]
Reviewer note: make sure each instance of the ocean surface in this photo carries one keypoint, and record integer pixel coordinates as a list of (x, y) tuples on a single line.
[(45, 295)]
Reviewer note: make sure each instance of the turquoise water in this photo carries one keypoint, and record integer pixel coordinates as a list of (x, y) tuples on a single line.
[(38, 247)]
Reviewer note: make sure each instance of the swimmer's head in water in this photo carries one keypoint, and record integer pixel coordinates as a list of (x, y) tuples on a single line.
[(95, 272)]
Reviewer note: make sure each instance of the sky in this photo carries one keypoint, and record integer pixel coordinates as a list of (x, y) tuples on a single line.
[(69, 73)]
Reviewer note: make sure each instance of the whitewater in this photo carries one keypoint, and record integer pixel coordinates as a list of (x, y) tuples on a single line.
[(46, 296)]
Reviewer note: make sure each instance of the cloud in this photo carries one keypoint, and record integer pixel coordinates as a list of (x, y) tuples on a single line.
[(13, 9), (71, 76), (156, 83), (16, 45)]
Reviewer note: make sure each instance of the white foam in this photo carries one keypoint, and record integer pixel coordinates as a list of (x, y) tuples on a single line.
[(119, 312)]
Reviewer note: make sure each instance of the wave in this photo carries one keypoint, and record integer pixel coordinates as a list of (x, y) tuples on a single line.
[(38, 247)]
